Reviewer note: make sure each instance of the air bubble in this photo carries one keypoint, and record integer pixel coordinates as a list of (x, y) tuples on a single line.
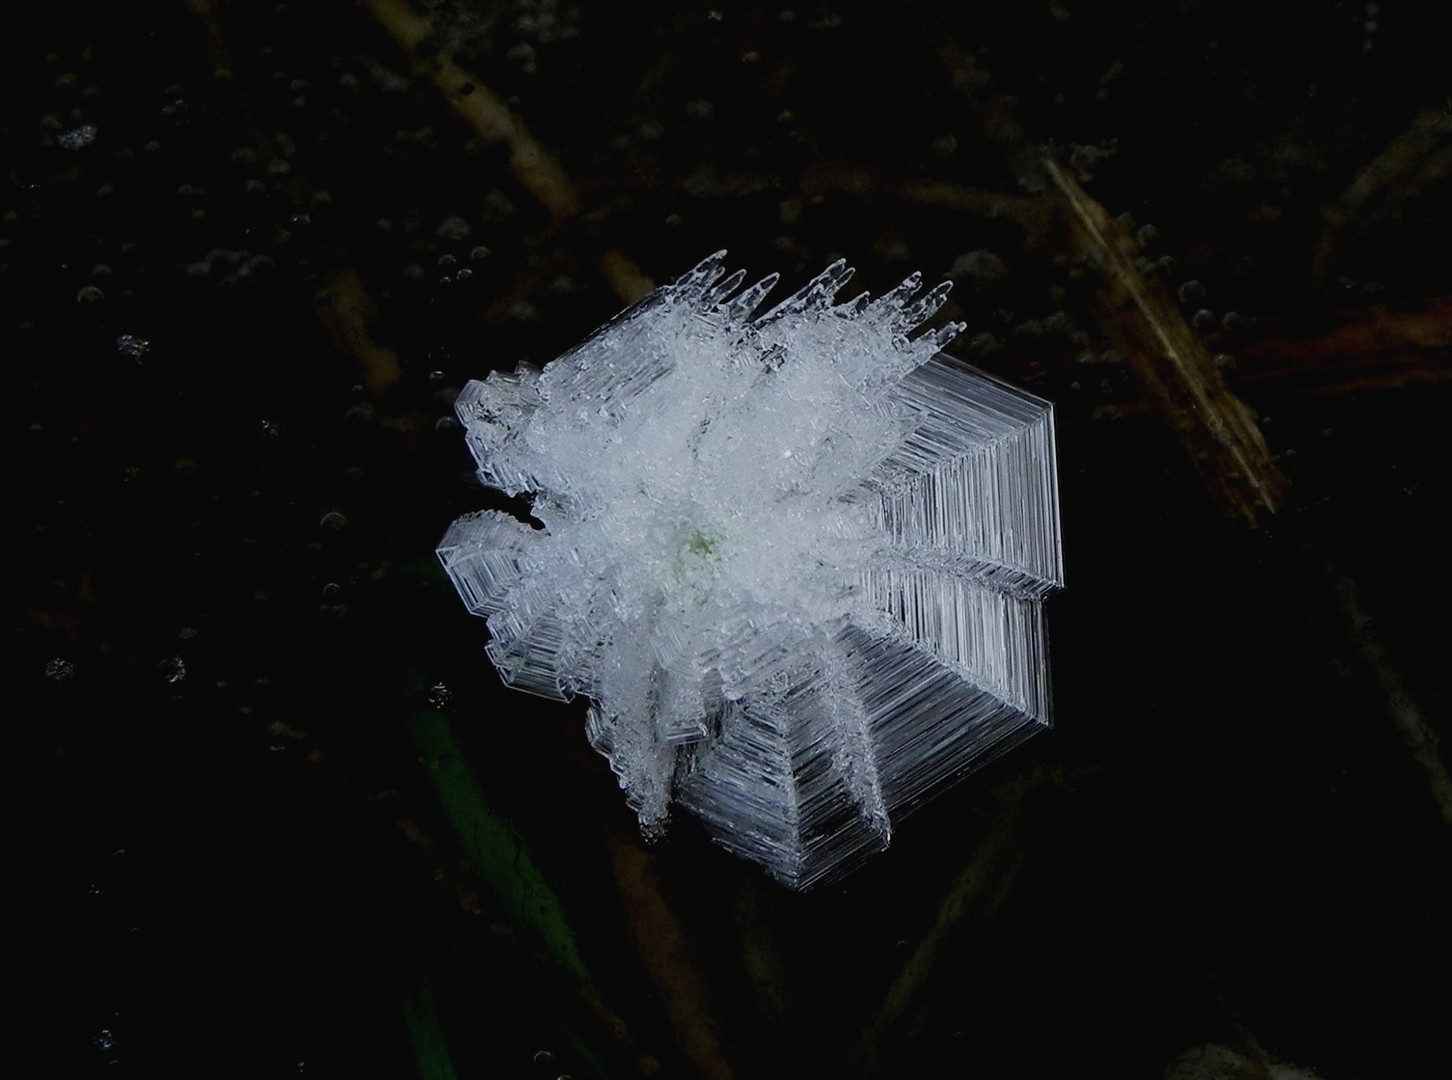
[(1190, 290), (979, 267), (78, 137), (453, 227)]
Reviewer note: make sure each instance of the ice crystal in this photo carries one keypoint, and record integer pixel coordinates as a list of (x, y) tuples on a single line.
[(794, 560)]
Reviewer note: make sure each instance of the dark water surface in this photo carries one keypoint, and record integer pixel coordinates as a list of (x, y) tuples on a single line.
[(289, 823)]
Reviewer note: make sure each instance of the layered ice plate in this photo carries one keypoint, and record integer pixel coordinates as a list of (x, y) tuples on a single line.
[(795, 560)]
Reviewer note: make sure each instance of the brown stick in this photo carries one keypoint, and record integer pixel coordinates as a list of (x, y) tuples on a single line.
[(531, 164), (1406, 169), (347, 312), (1417, 733), (1366, 348), (1174, 369), (664, 944)]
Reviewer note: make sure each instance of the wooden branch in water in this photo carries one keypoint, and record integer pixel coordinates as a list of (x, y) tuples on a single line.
[(664, 944), (1376, 347), (1411, 165), (531, 164), (1372, 348), (847, 180), (965, 914), (1416, 731), (348, 311), (1175, 371)]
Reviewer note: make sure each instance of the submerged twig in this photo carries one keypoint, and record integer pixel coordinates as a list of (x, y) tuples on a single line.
[(1370, 348), (1405, 169), (966, 910), (664, 945), (846, 180), (1406, 715), (531, 164), (1174, 369), (348, 311)]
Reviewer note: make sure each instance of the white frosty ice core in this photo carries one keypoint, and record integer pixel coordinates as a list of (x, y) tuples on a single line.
[(795, 560)]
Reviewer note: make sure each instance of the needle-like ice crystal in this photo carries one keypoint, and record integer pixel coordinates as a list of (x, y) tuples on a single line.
[(795, 560)]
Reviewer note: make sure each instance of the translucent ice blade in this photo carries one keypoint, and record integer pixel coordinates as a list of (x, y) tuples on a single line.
[(816, 295), (718, 293), (924, 308), (890, 305), (740, 308), (692, 285)]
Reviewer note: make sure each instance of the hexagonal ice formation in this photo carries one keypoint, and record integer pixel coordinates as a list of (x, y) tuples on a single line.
[(796, 561)]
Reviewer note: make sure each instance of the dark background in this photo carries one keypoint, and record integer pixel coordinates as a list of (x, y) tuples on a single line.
[(248, 254)]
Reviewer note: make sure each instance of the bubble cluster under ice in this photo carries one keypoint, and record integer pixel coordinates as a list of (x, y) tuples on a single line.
[(795, 560)]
